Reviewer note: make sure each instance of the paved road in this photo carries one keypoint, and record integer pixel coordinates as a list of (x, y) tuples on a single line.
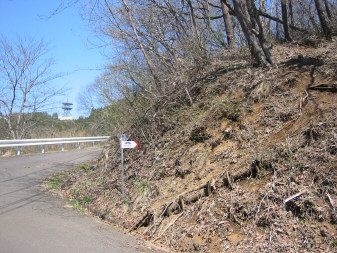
[(32, 221)]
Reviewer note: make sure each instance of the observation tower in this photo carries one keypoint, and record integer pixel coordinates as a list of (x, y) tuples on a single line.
[(67, 107)]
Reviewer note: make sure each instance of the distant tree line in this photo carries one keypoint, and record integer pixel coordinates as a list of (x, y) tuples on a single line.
[(43, 125)]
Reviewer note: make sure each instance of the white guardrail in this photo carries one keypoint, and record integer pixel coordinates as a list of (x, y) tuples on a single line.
[(50, 141)]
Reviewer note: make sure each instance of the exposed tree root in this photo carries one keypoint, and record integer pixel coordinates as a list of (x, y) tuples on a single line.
[(145, 221), (178, 204), (241, 174)]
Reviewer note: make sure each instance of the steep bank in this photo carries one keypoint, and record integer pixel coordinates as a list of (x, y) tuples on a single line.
[(247, 164)]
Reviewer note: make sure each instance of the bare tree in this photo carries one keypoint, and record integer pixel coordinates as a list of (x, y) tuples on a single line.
[(228, 24), (24, 77), (291, 12), (248, 17), (327, 9), (323, 20), (140, 43), (262, 7), (284, 8)]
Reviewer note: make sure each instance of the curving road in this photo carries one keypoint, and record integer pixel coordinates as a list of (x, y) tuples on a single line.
[(32, 221)]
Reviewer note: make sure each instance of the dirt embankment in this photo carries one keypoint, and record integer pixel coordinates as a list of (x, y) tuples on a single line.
[(250, 167)]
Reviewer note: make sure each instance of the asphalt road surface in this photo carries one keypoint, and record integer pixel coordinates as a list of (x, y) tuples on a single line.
[(32, 221)]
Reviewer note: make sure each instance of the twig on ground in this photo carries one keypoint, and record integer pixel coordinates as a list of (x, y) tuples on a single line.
[(295, 196), (169, 225), (330, 200)]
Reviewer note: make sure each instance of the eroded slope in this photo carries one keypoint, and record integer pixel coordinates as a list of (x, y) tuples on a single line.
[(251, 166)]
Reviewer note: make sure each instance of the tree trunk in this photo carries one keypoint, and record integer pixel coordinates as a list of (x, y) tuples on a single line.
[(261, 36), (272, 9), (327, 8), (9, 125), (277, 24), (192, 16), (291, 12), (228, 25), (262, 4), (285, 20), (323, 20), (254, 35)]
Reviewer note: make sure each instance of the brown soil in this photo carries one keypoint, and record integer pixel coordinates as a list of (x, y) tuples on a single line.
[(223, 175)]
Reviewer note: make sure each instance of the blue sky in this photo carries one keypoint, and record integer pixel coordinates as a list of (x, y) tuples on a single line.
[(69, 39)]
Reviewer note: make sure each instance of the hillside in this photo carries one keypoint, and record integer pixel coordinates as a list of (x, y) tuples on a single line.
[(247, 164)]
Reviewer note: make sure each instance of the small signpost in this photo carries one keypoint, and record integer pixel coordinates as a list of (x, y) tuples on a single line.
[(129, 144), (125, 144)]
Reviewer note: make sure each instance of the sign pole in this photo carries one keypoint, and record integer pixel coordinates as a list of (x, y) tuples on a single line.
[(123, 138), (122, 172), (125, 144)]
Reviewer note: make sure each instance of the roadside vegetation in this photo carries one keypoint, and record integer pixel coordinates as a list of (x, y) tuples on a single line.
[(249, 167), (234, 106)]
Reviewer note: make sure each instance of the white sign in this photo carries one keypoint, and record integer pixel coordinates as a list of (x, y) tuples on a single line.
[(129, 144)]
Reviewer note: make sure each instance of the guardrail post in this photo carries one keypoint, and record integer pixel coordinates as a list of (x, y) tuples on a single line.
[(42, 149), (79, 145), (18, 151), (93, 144), (62, 147)]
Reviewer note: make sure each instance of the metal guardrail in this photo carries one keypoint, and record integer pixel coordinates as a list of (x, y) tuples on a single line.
[(50, 141)]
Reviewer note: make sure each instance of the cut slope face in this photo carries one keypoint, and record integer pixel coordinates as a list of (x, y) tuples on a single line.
[(250, 167)]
